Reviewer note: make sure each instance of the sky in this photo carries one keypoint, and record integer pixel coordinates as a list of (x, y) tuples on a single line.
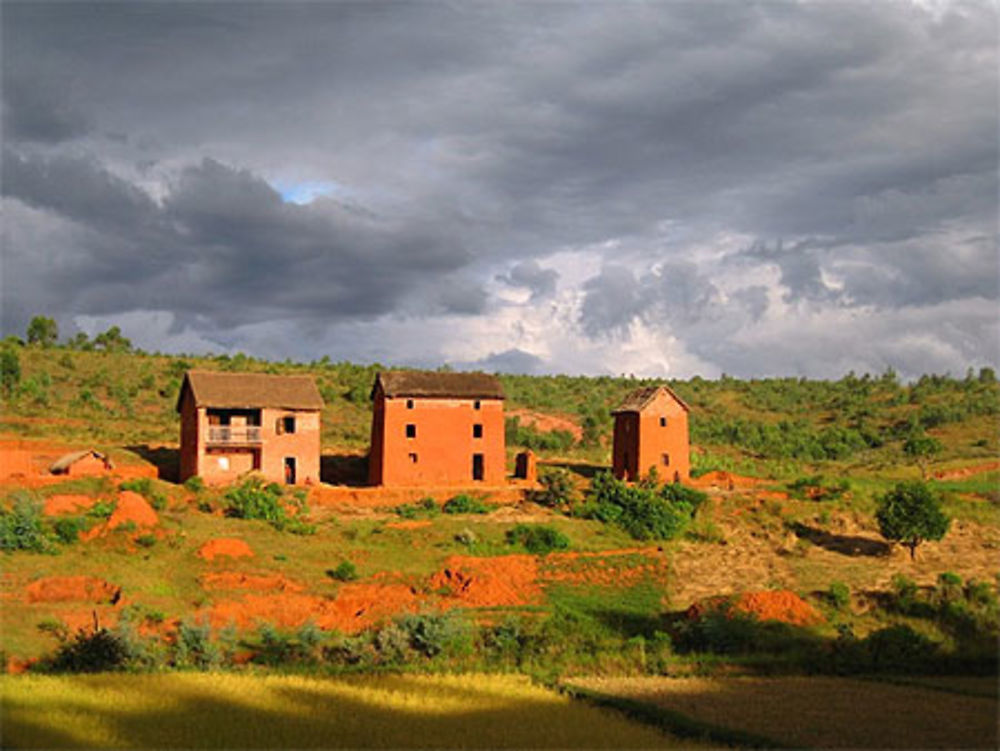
[(665, 189)]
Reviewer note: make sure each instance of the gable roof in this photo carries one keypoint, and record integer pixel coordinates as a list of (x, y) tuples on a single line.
[(639, 399), (250, 390), (420, 383), (64, 462)]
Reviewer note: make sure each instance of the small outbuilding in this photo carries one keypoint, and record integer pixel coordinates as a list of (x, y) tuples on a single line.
[(437, 429), (234, 423), (651, 430), (87, 463)]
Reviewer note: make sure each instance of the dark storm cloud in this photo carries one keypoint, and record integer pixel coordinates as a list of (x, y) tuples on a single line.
[(851, 147)]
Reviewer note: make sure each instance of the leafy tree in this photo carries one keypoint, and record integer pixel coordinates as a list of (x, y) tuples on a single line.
[(112, 341), (911, 513), (10, 370), (43, 330), (81, 342), (921, 447)]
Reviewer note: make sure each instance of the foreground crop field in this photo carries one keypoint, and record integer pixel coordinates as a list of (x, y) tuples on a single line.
[(242, 711), (817, 712)]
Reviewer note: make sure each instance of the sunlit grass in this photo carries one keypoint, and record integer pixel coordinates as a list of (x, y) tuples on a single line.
[(245, 711)]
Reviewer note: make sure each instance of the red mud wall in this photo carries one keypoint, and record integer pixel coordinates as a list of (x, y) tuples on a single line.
[(441, 452), (645, 442), (625, 455)]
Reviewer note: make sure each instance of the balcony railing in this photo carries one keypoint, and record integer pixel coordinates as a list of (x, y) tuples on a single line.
[(229, 434)]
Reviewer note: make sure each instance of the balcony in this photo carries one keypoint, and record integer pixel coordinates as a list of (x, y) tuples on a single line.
[(234, 436)]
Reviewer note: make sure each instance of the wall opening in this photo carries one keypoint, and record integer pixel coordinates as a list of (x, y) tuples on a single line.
[(476, 404), (289, 470), (663, 422), (477, 431), (411, 431), (413, 458), (477, 467), (288, 424), (666, 460), (409, 404)]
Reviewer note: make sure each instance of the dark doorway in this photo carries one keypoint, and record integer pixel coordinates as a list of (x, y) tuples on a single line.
[(477, 467), (289, 470)]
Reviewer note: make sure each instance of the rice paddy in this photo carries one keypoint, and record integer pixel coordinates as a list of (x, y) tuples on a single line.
[(204, 710)]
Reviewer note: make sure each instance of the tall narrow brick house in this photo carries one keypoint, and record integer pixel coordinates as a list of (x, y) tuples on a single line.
[(232, 423), (651, 430), (434, 429)]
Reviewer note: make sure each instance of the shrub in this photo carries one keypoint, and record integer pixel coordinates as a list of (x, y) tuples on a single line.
[(466, 537), (432, 634), (10, 371), (68, 528), (195, 484), (425, 507), (645, 510), (345, 572), (91, 652), (465, 504), (193, 646), (537, 538), (145, 541), (278, 648), (144, 487), (839, 595), (21, 527), (253, 499), (899, 647), (911, 513), (557, 488)]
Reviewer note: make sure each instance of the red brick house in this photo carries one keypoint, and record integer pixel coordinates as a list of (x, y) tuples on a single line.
[(232, 423), (434, 429), (651, 430)]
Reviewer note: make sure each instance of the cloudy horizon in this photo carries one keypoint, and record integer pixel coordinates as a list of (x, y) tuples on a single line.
[(662, 188)]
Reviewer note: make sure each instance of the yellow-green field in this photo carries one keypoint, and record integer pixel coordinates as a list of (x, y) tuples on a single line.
[(190, 710), (820, 712)]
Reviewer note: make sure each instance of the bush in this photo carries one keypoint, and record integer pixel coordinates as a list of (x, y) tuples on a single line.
[(21, 527), (144, 487), (253, 499), (193, 646), (899, 647), (68, 528), (646, 510), (466, 504), (431, 635), (839, 595), (195, 484), (278, 648), (557, 488), (425, 507), (96, 652), (537, 539), (345, 572)]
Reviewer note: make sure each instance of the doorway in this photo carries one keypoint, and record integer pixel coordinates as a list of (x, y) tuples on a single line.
[(477, 467), (289, 470)]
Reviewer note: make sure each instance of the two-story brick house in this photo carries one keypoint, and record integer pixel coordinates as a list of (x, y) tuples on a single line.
[(437, 429), (651, 430), (232, 423)]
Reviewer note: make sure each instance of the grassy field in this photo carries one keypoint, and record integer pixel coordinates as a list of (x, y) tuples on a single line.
[(244, 711), (820, 712)]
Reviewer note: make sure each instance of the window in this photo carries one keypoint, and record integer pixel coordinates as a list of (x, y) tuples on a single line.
[(476, 404), (411, 431), (663, 422), (413, 458), (409, 404), (224, 463), (478, 472), (477, 431), (288, 424), (666, 460)]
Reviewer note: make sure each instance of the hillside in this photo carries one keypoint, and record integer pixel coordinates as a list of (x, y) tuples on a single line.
[(791, 470)]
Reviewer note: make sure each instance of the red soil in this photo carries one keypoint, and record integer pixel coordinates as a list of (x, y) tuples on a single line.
[(260, 583), (132, 507), (771, 495), (16, 666), (724, 480), (355, 607), (490, 582), (409, 524), (72, 589), (225, 547), (58, 505), (602, 569), (546, 423), (958, 474), (768, 605)]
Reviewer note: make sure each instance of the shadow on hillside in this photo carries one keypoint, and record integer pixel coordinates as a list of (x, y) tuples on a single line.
[(344, 469), (166, 460), (843, 544), (582, 469)]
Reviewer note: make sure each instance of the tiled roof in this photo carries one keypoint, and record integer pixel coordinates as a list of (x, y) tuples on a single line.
[(396, 383), (251, 390), (639, 399)]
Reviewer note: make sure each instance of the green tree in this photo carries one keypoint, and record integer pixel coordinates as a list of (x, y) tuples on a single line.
[(921, 447), (911, 513), (112, 341), (43, 331), (10, 370)]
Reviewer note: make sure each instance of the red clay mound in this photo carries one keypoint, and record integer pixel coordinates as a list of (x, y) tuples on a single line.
[(958, 474), (72, 589), (132, 507), (58, 505), (259, 583), (490, 582), (355, 608), (768, 605), (608, 568), (226, 547), (724, 480)]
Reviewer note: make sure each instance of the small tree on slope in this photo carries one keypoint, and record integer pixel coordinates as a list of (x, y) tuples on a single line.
[(911, 513)]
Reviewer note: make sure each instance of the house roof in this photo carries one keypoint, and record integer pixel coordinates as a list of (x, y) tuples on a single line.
[(250, 390), (396, 383), (66, 461), (638, 400)]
